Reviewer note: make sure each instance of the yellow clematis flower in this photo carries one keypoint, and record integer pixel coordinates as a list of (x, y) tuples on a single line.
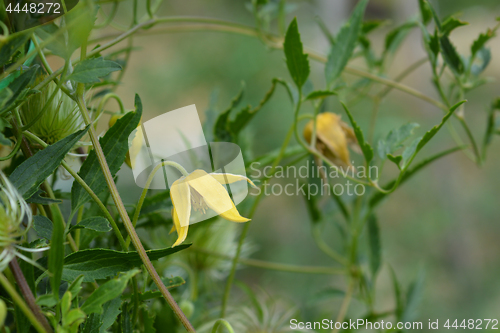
[(332, 138), (199, 191)]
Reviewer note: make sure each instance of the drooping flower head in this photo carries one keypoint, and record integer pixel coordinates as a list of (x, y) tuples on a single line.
[(333, 136), (201, 191)]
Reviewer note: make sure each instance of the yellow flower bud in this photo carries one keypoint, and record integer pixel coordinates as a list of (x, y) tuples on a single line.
[(333, 136)]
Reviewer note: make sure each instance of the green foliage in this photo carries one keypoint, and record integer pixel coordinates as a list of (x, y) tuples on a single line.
[(115, 146), (375, 245), (365, 146), (90, 70), (96, 264), (9, 45), (345, 42), (18, 89), (296, 60), (43, 226), (28, 176)]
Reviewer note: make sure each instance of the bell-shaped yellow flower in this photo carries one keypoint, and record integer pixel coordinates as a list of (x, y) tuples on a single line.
[(332, 138), (199, 191)]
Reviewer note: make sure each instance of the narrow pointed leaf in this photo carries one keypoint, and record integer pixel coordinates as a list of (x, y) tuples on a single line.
[(90, 70), (296, 60), (28, 176), (345, 42), (365, 146)]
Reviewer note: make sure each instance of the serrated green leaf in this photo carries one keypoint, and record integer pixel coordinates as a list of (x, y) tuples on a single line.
[(115, 147), (9, 45), (365, 146), (375, 245), (90, 70), (320, 94), (296, 60), (451, 56), (111, 310), (346, 39), (481, 41), (43, 226), (395, 139), (18, 87), (96, 223), (149, 321), (394, 159), (222, 131), (106, 292), (425, 11), (28, 176), (451, 24), (97, 264)]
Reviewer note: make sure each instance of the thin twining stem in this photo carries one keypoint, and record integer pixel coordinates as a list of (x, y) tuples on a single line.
[(272, 265)]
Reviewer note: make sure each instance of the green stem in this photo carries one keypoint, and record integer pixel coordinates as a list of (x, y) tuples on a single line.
[(326, 249), (244, 232), (272, 265), (345, 304), (11, 290), (224, 323), (121, 208)]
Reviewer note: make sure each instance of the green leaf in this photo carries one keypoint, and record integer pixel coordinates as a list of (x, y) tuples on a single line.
[(106, 292), (394, 139), (28, 176), (81, 20), (149, 320), (394, 159), (451, 24), (9, 45), (97, 264), (413, 298), (481, 41), (76, 286), (111, 310), (90, 70), (222, 132), (398, 296), (126, 322), (410, 152), (425, 11), (365, 146), (96, 223), (341, 51), (115, 147), (5, 96), (92, 324), (36, 198), (43, 226), (56, 256), (246, 115), (451, 56), (320, 94), (296, 60), (18, 87), (395, 37), (375, 247), (377, 197)]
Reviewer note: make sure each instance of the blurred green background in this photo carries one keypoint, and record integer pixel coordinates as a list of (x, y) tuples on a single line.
[(444, 221)]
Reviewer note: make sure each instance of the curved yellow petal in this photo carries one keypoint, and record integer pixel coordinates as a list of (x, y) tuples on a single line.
[(215, 195), (181, 199), (181, 231), (330, 133), (229, 178)]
